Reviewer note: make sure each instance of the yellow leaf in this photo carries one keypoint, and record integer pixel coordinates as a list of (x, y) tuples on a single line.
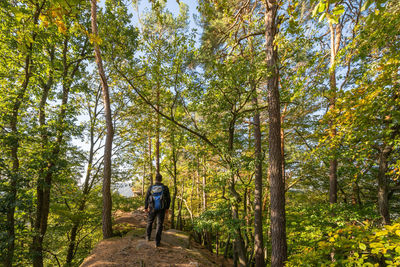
[(362, 246), (376, 245), (381, 233)]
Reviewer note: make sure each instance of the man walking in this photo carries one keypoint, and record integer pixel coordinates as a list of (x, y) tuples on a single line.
[(157, 204)]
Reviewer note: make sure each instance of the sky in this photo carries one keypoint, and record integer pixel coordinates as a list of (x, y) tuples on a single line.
[(173, 7)]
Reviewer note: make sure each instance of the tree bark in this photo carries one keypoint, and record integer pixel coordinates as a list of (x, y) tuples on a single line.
[(383, 184), (277, 187), (158, 134), (107, 201), (283, 115), (144, 173), (238, 242), (258, 230), (203, 189), (175, 186), (355, 196), (150, 159), (198, 182), (180, 204)]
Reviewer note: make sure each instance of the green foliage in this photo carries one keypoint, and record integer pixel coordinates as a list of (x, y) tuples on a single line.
[(357, 244), (126, 204), (215, 220), (308, 223)]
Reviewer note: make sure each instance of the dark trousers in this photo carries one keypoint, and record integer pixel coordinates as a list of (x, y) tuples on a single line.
[(159, 214)]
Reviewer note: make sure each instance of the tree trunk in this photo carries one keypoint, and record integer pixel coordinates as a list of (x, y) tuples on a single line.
[(158, 131), (198, 182), (180, 204), (216, 244), (203, 189), (47, 172), (335, 42), (107, 201), (238, 242), (14, 178), (355, 196), (192, 192), (41, 206), (144, 175), (383, 185), (150, 159), (227, 244), (277, 187), (283, 144), (175, 186), (333, 181), (86, 189), (258, 230), (71, 245)]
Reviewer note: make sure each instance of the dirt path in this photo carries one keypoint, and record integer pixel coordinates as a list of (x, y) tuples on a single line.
[(133, 250)]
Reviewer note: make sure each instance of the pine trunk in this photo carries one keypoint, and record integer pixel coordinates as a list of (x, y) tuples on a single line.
[(277, 187)]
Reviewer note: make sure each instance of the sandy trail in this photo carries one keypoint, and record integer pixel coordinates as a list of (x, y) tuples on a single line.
[(176, 250)]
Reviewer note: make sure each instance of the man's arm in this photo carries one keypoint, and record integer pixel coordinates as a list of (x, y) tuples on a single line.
[(167, 198), (146, 200)]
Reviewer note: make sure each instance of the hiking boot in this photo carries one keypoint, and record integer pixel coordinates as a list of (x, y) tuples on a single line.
[(148, 239), (158, 244)]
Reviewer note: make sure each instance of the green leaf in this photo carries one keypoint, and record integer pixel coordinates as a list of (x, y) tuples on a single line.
[(362, 246), (366, 5), (338, 10), (333, 19), (322, 7), (315, 11)]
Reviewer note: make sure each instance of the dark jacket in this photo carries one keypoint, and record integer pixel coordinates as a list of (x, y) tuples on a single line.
[(166, 196)]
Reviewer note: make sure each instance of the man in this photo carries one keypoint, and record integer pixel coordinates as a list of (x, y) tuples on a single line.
[(157, 204)]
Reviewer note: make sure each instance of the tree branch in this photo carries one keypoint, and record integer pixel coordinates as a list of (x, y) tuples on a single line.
[(147, 101)]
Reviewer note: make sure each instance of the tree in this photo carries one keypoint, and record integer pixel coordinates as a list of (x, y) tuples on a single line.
[(13, 138), (277, 198), (370, 107), (107, 201)]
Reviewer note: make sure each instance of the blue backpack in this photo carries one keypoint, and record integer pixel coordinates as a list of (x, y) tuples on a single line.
[(157, 197)]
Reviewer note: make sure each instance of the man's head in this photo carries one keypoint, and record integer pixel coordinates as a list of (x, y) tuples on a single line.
[(158, 178)]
